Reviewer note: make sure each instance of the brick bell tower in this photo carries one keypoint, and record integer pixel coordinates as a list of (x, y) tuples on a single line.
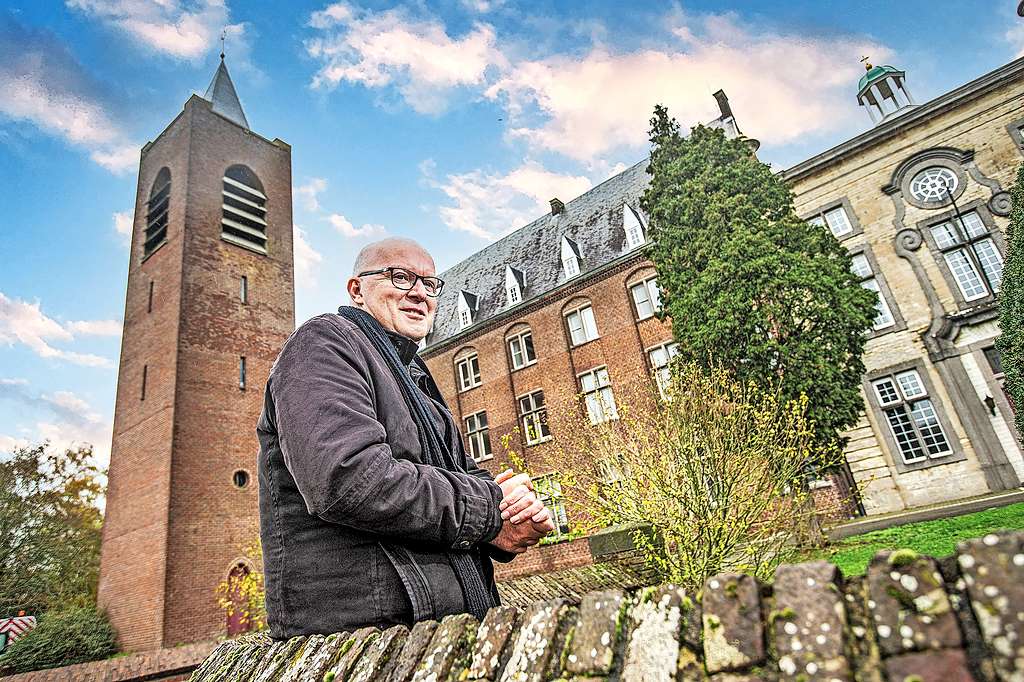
[(210, 301)]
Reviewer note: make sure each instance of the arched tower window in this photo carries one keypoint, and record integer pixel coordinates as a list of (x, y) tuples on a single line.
[(245, 210), (156, 211)]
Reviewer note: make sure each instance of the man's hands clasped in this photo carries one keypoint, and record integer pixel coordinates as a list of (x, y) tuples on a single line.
[(525, 518)]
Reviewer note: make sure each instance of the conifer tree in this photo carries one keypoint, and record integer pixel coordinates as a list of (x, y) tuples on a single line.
[(1011, 302), (749, 286)]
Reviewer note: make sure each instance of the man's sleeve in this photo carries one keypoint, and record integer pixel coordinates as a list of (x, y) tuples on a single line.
[(336, 450)]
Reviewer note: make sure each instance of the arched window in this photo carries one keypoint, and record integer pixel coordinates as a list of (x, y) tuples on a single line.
[(239, 618), (244, 219), (156, 212)]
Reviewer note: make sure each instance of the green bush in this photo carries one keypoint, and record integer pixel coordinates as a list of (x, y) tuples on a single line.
[(64, 637)]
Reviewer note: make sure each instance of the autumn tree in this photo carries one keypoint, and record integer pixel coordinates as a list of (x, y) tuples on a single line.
[(749, 286), (50, 524)]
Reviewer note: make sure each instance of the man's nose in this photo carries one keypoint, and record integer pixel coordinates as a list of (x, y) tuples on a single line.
[(418, 290)]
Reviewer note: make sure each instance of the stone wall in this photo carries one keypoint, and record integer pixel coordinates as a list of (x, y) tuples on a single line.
[(910, 619), (165, 665)]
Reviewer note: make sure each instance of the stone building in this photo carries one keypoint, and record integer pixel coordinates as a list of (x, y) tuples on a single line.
[(210, 300), (565, 304), (920, 200)]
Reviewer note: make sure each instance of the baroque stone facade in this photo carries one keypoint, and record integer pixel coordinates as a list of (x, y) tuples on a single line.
[(937, 267), (204, 320)]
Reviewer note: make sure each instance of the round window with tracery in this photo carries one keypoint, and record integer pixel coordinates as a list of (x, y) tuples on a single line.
[(934, 184)]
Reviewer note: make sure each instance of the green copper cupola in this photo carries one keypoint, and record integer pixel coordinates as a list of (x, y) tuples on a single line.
[(883, 92)]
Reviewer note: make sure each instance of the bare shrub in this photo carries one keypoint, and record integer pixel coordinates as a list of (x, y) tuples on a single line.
[(716, 469)]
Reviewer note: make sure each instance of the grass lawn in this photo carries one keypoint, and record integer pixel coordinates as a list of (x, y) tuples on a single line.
[(935, 538)]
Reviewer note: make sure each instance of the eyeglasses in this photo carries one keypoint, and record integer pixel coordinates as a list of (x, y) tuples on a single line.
[(406, 279)]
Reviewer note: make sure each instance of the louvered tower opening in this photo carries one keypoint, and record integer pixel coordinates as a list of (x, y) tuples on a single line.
[(244, 210), (156, 212)]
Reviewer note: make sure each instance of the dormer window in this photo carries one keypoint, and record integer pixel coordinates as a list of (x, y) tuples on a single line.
[(514, 285), (570, 258), (467, 308), (635, 231), (244, 210)]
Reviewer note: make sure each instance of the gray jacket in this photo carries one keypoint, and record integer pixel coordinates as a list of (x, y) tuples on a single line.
[(355, 528)]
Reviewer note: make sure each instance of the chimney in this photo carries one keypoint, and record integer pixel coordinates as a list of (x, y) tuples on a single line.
[(557, 206), (723, 103)]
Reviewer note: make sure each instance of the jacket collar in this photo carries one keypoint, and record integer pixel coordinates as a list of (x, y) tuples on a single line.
[(405, 346)]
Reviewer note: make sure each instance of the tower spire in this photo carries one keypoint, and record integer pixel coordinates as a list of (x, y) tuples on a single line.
[(221, 94)]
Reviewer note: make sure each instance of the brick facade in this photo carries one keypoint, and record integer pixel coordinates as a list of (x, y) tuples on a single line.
[(175, 520), (621, 347)]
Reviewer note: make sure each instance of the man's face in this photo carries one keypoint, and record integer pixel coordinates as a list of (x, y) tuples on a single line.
[(410, 313)]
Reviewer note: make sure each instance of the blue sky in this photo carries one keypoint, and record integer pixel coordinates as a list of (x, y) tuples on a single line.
[(452, 122)]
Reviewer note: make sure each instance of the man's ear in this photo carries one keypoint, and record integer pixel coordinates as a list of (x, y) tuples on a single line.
[(355, 290)]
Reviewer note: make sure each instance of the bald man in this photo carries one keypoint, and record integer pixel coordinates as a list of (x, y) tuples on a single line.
[(371, 513)]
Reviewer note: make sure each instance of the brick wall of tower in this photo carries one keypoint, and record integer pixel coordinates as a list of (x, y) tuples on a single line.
[(132, 569), (211, 519), (621, 346)]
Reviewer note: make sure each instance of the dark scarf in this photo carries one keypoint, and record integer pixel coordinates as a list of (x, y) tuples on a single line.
[(435, 452)]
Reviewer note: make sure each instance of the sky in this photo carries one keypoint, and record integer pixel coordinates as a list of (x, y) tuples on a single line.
[(452, 122)]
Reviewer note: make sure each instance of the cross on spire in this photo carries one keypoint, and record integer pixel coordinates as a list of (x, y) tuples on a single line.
[(223, 35)]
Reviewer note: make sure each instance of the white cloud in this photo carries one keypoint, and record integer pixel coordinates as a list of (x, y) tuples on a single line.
[(310, 192), (1015, 37), (45, 86), (119, 159), (482, 6), (62, 418), (95, 327), (489, 205), (346, 229), (182, 30), (307, 259), (24, 323), (782, 86), (390, 47), (123, 226)]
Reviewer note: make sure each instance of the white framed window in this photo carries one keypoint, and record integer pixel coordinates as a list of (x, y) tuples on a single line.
[(597, 394), (633, 226), (835, 219), (646, 298), (582, 326), (549, 491), (520, 348), (911, 416), (970, 254), (661, 358), (513, 285), (533, 417), (469, 372), (861, 267), (467, 303), (478, 437)]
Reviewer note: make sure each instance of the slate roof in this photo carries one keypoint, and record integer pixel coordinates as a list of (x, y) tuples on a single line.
[(593, 221), (222, 95)]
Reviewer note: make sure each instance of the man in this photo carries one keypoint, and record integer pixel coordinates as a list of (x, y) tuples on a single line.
[(370, 511)]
